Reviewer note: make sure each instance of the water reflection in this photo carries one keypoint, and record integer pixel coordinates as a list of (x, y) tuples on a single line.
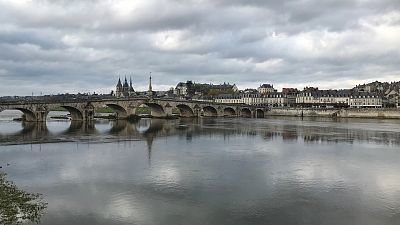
[(212, 171), (18, 206), (308, 132)]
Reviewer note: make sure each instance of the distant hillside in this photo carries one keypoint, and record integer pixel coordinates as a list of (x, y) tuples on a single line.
[(378, 87)]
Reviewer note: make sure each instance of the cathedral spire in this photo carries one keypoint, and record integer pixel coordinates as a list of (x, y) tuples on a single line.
[(126, 83), (131, 90), (119, 84)]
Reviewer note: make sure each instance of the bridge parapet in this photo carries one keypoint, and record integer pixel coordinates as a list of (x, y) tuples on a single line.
[(81, 110)]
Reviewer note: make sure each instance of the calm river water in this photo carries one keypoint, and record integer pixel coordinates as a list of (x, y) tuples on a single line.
[(208, 171)]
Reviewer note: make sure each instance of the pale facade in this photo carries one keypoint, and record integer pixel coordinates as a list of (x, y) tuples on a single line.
[(254, 99), (333, 100), (306, 97), (366, 101), (326, 98), (229, 100), (226, 88), (275, 99), (323, 97), (181, 89), (266, 88)]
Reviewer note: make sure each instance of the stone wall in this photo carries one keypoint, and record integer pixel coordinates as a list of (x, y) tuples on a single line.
[(340, 113)]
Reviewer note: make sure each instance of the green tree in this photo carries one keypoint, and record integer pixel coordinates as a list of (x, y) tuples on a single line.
[(190, 87), (17, 206)]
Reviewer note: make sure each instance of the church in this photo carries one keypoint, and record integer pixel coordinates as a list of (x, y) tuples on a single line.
[(124, 90)]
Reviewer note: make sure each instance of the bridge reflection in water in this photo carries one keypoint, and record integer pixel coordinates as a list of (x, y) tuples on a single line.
[(189, 128)]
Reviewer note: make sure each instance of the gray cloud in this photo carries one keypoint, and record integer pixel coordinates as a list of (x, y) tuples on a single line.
[(81, 46)]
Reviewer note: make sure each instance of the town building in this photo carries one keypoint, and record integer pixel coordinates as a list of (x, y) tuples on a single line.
[(181, 89), (365, 100), (266, 88), (291, 94), (251, 99), (392, 97), (223, 88), (307, 96), (313, 97), (334, 97), (276, 99), (229, 98)]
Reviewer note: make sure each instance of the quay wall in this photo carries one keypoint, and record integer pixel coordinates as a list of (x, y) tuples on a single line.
[(339, 113)]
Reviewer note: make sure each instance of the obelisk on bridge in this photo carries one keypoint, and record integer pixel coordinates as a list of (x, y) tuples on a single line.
[(150, 91)]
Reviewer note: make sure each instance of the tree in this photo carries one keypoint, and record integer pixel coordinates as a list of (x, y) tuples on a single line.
[(18, 206), (190, 88)]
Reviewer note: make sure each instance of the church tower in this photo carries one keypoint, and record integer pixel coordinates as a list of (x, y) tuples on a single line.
[(125, 88), (118, 91)]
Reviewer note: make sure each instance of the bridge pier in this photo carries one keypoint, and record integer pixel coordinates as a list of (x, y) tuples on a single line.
[(41, 116), (33, 115), (88, 115), (196, 112), (259, 113), (168, 110)]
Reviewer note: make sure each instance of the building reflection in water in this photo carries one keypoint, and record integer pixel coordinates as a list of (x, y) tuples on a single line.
[(150, 129)]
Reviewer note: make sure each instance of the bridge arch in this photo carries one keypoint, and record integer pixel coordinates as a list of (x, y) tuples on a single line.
[(245, 112), (209, 111), (76, 114), (185, 110), (156, 109), (229, 112), (119, 110), (29, 115), (260, 113)]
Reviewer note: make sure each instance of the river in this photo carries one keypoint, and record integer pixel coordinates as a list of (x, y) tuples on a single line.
[(218, 171)]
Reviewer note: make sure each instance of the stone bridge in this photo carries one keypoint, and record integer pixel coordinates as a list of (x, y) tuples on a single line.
[(84, 110)]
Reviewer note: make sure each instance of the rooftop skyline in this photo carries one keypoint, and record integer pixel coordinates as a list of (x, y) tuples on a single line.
[(84, 46)]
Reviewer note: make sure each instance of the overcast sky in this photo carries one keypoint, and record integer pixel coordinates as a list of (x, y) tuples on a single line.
[(56, 46)]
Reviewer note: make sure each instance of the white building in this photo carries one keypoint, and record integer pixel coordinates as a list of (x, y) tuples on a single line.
[(306, 97), (271, 99), (229, 99), (181, 89), (324, 97), (275, 99), (314, 97), (266, 88), (225, 88), (366, 101)]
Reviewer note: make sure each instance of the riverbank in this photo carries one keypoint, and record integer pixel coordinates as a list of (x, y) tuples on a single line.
[(339, 113)]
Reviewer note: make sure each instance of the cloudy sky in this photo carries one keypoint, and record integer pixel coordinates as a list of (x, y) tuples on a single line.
[(55, 46)]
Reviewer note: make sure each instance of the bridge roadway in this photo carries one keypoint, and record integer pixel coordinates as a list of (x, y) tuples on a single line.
[(84, 109)]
